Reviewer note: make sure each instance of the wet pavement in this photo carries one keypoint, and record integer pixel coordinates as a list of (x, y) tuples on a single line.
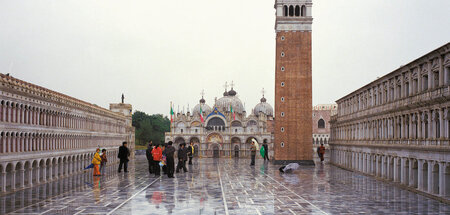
[(221, 186)]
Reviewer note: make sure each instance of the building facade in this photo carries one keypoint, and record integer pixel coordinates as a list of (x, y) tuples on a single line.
[(397, 127), (226, 130), (293, 82), (321, 123), (46, 135)]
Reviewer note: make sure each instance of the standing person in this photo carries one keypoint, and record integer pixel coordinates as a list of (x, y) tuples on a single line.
[(190, 152), (253, 153), (321, 151), (182, 157), (148, 154), (266, 150), (103, 162), (170, 163), (123, 155), (157, 155), (163, 158), (97, 160)]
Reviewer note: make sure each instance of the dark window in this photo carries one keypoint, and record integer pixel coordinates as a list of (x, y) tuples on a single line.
[(285, 10), (181, 130), (303, 11), (425, 82), (321, 123), (297, 10), (291, 10)]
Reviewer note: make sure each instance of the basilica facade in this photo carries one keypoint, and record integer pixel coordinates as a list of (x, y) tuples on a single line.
[(224, 129)]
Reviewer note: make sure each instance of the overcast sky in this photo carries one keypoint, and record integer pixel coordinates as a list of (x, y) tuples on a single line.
[(160, 51)]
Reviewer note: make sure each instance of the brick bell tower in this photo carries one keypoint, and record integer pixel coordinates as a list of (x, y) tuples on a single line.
[(293, 82)]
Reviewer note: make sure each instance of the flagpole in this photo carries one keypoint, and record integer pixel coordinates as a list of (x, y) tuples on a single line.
[(171, 130)]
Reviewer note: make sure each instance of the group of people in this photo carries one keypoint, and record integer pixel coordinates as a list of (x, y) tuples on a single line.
[(99, 162), (264, 151), (163, 155)]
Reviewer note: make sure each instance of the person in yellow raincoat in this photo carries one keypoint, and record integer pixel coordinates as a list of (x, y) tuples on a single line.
[(97, 161)]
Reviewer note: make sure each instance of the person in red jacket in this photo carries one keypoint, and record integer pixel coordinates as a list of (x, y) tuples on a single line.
[(157, 156)]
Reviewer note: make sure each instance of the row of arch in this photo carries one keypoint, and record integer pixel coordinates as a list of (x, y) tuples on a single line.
[(27, 173), (294, 10), (13, 142), (320, 140), (14, 112), (422, 124), (425, 175), (235, 148)]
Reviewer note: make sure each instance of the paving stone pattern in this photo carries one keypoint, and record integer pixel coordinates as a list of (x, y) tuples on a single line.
[(260, 189)]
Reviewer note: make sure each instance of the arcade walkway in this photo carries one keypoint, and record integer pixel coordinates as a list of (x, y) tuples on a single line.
[(223, 186)]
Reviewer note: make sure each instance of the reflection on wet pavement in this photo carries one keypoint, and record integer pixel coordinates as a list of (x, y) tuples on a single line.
[(221, 186)]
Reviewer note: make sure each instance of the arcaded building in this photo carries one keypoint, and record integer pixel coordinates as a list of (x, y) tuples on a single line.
[(46, 135), (227, 130), (397, 127)]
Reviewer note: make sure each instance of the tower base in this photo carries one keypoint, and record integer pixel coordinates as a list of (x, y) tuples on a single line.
[(300, 162)]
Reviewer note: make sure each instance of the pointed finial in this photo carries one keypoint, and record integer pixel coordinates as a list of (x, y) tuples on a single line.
[(123, 98), (226, 86), (232, 84), (263, 91), (202, 93)]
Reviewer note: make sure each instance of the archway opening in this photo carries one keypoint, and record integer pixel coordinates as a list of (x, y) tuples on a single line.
[(425, 176)]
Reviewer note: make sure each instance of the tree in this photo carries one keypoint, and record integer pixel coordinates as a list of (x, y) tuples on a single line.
[(150, 127)]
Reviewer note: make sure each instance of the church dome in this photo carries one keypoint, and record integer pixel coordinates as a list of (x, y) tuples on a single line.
[(263, 107), (223, 104), (206, 109)]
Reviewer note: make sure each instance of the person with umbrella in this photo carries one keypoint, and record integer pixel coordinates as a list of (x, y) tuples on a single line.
[(253, 149), (289, 168)]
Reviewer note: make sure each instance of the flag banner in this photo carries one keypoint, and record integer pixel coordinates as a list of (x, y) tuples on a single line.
[(171, 114), (201, 114)]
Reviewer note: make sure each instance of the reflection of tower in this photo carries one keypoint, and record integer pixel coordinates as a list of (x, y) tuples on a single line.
[(293, 93)]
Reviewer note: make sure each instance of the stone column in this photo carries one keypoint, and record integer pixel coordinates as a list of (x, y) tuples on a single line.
[(442, 179), (420, 179), (430, 176), (411, 173), (441, 124), (30, 176), (402, 170), (430, 124), (44, 173), (383, 166), (22, 177), (3, 176), (13, 179), (50, 172), (419, 125), (396, 173)]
